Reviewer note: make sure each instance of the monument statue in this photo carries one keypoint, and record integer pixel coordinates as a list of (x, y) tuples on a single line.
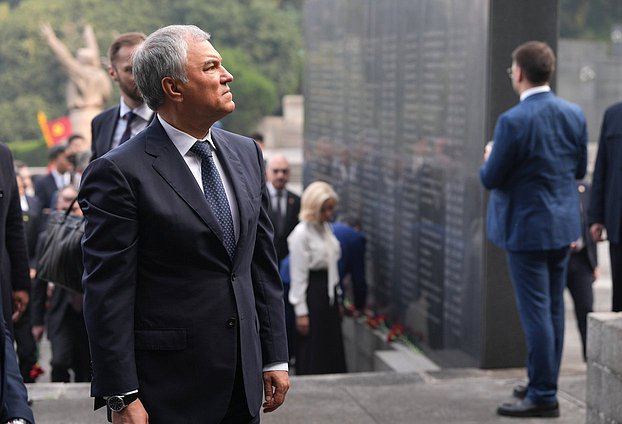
[(89, 86)]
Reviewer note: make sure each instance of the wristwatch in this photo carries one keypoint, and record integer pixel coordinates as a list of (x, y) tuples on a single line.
[(118, 403)]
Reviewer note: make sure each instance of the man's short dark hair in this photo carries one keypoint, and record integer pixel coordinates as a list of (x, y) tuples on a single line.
[(55, 152), (536, 59), (127, 39), (74, 137)]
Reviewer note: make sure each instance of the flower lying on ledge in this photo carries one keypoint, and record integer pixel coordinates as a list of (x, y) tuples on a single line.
[(376, 322), (36, 371), (396, 332)]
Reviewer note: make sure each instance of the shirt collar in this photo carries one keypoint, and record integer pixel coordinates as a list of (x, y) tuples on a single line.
[(182, 141), (142, 111), (534, 90)]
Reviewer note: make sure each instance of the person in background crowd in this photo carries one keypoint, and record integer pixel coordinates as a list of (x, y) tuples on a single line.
[(582, 268), (605, 211), (283, 212), (119, 123), (14, 277), (539, 150), (79, 154), (59, 176), (22, 329), (314, 288), (352, 261), (64, 318), (180, 273), (23, 171)]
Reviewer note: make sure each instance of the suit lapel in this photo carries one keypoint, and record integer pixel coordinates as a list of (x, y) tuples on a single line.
[(174, 170), (108, 130)]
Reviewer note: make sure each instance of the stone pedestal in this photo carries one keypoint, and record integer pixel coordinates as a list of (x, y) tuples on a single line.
[(604, 368)]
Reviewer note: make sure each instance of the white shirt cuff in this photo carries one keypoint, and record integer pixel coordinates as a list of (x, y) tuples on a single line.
[(276, 366)]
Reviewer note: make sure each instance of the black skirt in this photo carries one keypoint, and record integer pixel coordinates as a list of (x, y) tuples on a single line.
[(321, 351)]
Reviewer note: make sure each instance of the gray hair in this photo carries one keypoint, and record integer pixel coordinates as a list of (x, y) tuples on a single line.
[(163, 54)]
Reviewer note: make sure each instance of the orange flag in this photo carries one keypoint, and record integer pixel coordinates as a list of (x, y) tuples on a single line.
[(54, 131)]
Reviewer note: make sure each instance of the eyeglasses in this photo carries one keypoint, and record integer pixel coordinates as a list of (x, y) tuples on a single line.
[(509, 71), (284, 171)]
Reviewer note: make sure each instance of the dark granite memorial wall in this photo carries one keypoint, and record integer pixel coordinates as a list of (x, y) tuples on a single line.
[(398, 101)]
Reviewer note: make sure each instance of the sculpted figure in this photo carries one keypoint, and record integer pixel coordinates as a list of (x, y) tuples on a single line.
[(89, 86)]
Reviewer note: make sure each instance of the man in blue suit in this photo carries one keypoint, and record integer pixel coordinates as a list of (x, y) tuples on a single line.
[(14, 273), (605, 210), (183, 301), (540, 149)]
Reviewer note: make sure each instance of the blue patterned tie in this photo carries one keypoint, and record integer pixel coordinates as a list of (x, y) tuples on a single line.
[(215, 194)]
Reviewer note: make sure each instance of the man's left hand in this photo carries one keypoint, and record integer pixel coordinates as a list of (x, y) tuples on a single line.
[(275, 386)]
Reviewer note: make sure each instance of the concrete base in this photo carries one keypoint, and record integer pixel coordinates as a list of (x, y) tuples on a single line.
[(368, 350), (604, 368)]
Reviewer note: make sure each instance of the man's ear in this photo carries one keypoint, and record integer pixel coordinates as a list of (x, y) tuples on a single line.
[(171, 89), (112, 73)]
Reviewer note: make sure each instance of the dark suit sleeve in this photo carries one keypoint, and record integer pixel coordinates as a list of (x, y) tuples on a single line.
[(267, 284), (596, 211), (110, 270)]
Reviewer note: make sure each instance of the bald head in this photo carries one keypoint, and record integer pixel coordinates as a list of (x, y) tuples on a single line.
[(278, 171)]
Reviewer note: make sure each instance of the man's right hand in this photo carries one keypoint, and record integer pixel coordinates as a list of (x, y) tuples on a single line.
[(134, 413), (596, 230)]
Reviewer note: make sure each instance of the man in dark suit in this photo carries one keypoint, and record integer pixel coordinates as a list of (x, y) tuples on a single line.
[(283, 212), (605, 210), (22, 329), (14, 276), (183, 300), (582, 268), (284, 205), (540, 149), (59, 176), (117, 124)]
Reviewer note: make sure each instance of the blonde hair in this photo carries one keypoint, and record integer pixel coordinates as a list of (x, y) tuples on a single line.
[(312, 200)]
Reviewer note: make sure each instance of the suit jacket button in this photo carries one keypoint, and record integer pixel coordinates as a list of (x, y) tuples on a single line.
[(232, 277), (231, 322)]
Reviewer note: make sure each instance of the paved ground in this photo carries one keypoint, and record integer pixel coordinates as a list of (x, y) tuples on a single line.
[(448, 396)]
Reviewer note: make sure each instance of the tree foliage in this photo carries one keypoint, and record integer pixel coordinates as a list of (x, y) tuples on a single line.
[(261, 38), (593, 19)]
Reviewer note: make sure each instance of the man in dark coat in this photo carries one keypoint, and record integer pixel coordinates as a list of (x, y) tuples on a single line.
[(183, 300)]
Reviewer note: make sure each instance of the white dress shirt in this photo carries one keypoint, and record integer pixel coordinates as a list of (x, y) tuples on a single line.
[(139, 123)]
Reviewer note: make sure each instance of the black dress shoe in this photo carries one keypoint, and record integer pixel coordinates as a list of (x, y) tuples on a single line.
[(520, 391), (528, 408)]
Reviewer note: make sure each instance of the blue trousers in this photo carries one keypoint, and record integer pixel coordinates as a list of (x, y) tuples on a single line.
[(539, 278)]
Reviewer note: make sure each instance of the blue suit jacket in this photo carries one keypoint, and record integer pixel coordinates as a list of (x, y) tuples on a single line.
[(164, 303), (606, 198), (14, 275), (540, 149)]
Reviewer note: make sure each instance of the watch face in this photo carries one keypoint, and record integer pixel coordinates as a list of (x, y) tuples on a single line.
[(116, 403)]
